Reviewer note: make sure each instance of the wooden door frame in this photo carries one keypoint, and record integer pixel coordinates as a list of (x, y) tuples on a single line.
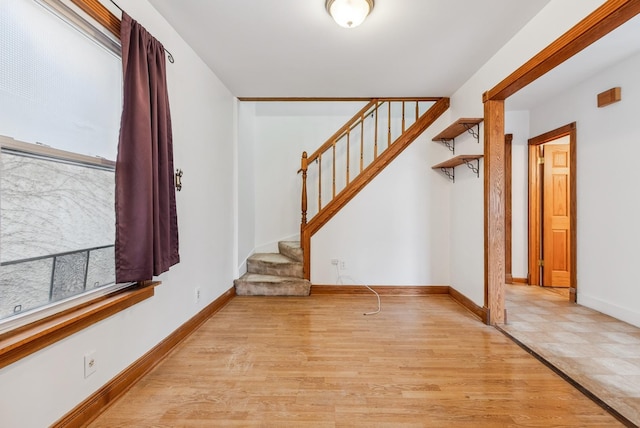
[(535, 196), (508, 274), (533, 220), (596, 25)]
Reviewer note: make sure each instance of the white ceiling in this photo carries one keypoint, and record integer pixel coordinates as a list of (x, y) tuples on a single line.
[(292, 48)]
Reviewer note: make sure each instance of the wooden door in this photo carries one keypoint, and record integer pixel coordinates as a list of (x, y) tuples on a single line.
[(556, 228)]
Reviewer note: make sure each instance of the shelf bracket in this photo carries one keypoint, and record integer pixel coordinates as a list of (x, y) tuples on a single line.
[(475, 168), (450, 144), (449, 172), (474, 130)]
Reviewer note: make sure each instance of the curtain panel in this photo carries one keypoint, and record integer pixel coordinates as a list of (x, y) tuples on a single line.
[(146, 220)]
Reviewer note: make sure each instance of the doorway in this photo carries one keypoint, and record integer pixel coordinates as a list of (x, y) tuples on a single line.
[(552, 210)]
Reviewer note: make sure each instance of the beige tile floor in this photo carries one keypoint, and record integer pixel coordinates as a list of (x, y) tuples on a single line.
[(598, 352)]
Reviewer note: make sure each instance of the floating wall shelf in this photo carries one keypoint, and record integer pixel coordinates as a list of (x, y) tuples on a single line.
[(448, 136), (448, 167)]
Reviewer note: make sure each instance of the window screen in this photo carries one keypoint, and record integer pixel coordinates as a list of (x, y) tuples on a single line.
[(60, 102)]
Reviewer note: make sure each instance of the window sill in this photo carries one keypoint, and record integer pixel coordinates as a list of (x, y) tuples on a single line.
[(24, 341)]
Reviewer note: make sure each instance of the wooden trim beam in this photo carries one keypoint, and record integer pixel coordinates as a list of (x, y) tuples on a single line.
[(303, 99), (99, 401), (337, 99), (553, 134), (602, 21), (494, 202)]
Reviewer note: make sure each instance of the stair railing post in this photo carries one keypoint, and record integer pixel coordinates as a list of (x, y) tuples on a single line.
[(303, 169)]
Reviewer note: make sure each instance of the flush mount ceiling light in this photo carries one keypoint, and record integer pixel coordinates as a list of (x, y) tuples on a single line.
[(349, 13)]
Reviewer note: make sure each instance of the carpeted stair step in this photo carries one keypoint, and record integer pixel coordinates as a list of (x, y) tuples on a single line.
[(251, 284), (274, 264), (291, 249)]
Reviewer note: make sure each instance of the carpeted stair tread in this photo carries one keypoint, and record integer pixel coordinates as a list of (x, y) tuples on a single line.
[(268, 278), (271, 258), (275, 274), (274, 264), (251, 284), (291, 249)]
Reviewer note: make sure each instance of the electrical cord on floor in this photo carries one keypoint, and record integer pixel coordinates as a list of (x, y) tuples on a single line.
[(339, 281)]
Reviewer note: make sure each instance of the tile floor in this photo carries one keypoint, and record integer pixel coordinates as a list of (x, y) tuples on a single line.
[(598, 352)]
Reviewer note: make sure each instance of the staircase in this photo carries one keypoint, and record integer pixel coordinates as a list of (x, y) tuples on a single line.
[(344, 164), (355, 155), (275, 274)]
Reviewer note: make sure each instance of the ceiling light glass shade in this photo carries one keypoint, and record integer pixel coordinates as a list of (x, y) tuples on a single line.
[(349, 13)]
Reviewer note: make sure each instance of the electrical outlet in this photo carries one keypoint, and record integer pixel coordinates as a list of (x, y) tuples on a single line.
[(90, 364), (343, 265), (197, 295), (335, 262)]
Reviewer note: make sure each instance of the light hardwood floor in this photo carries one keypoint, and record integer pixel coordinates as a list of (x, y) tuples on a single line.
[(318, 361)]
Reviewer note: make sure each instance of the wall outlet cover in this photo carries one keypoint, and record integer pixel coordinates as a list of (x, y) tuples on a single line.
[(90, 364)]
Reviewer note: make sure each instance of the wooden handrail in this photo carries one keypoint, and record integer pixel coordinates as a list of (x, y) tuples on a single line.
[(375, 167), (366, 174), (355, 120), (347, 126)]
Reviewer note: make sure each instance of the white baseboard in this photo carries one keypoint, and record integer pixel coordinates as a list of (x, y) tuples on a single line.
[(608, 308)]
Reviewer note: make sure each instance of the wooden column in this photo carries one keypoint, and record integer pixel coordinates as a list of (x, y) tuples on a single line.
[(305, 238), (494, 210), (303, 204), (600, 22), (305, 244), (508, 139)]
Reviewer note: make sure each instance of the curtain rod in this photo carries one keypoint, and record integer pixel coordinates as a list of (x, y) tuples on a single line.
[(169, 56)]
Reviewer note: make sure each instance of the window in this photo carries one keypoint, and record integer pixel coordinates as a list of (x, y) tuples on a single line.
[(60, 106)]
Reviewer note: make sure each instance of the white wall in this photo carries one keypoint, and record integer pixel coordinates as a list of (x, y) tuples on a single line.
[(246, 191), (467, 236), (467, 221), (279, 133), (517, 124), (39, 389), (396, 230), (607, 177)]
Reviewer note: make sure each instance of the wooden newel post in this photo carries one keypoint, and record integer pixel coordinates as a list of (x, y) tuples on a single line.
[(303, 169)]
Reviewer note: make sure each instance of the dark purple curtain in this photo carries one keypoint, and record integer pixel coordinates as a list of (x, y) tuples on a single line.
[(146, 220)]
